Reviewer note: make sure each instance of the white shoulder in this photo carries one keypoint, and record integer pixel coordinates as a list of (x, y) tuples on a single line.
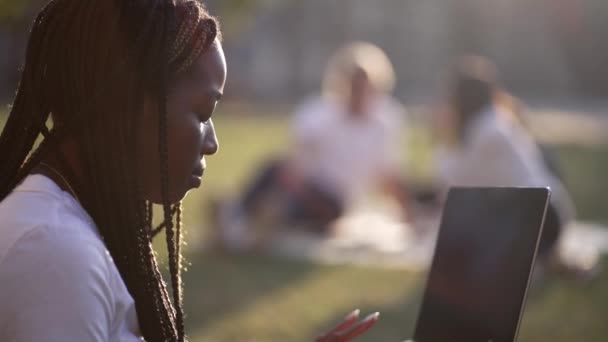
[(56, 286), (55, 245)]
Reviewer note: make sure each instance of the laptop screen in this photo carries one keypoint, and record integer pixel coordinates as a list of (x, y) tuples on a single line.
[(481, 266)]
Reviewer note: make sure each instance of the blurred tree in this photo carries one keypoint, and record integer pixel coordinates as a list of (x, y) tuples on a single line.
[(236, 15), (581, 28), (12, 10), (16, 17)]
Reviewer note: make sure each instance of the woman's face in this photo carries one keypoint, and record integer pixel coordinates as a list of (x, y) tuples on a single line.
[(190, 133)]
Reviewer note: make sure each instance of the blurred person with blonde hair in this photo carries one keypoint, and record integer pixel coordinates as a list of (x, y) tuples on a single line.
[(485, 142), (344, 147), (346, 62)]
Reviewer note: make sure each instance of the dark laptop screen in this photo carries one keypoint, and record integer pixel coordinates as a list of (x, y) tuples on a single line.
[(480, 270)]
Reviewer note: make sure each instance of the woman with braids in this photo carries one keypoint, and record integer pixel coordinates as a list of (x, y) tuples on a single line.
[(120, 94)]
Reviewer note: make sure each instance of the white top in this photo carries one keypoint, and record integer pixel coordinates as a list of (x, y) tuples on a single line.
[(347, 155), (57, 279), (498, 152)]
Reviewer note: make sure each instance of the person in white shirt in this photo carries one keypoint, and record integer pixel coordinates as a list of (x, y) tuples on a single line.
[(129, 88), (345, 146), (484, 143)]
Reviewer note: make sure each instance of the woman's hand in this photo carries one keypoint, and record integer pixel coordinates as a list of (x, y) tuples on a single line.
[(350, 328)]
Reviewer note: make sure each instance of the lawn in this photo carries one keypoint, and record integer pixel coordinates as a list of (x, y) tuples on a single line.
[(264, 299), (257, 298)]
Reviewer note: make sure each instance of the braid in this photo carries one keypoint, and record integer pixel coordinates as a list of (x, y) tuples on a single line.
[(168, 220), (178, 233), (27, 114), (36, 156), (176, 279), (149, 213), (92, 83), (163, 224)]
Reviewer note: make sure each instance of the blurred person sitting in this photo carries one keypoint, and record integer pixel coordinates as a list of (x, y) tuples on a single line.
[(484, 142), (344, 146)]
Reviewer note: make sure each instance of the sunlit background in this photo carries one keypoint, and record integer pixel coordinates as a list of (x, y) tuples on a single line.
[(550, 53)]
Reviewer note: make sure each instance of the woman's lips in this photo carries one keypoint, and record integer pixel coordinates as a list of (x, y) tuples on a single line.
[(195, 181), (198, 172), (196, 177)]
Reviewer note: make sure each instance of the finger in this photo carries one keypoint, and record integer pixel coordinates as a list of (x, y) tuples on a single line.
[(348, 322), (359, 328)]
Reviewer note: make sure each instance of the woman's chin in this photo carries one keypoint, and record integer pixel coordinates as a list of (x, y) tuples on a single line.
[(185, 195)]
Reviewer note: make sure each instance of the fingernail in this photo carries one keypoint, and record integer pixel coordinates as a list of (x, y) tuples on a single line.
[(353, 314), (372, 317)]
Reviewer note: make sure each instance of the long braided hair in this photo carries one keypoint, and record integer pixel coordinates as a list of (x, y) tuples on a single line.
[(89, 65)]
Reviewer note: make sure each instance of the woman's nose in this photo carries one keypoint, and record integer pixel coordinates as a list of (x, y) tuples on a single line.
[(210, 142)]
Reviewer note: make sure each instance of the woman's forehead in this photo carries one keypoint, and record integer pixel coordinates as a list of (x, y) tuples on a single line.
[(210, 66)]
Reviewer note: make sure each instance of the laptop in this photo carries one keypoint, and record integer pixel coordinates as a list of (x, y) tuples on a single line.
[(484, 255)]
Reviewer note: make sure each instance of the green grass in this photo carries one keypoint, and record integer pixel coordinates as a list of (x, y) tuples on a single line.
[(264, 299), (585, 171), (231, 298)]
